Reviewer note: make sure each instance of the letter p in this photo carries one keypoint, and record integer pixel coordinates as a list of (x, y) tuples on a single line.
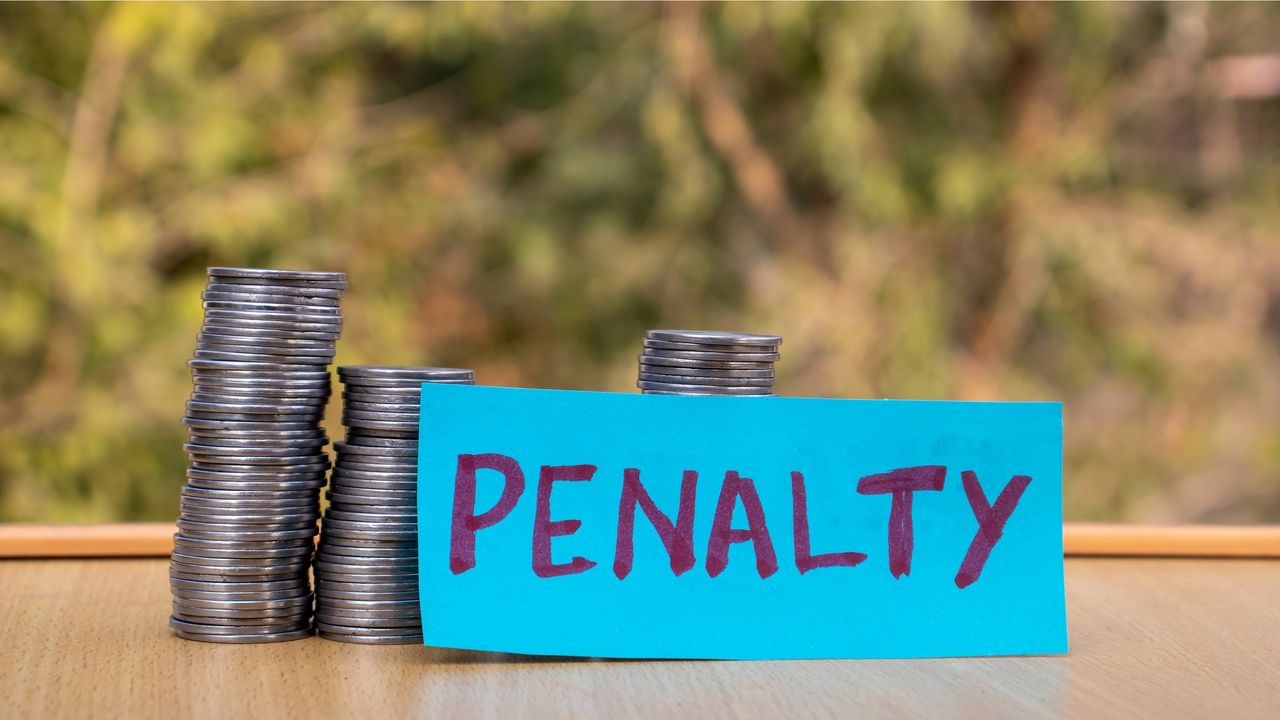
[(462, 545)]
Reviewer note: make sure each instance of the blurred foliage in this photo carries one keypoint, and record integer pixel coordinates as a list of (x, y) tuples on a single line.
[(1073, 201)]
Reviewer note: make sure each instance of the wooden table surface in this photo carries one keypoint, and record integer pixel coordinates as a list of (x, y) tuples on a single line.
[(1164, 638)]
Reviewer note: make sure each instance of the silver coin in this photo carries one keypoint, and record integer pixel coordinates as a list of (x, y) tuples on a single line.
[(702, 363), (293, 500), (291, 603), (188, 550), (411, 408), (245, 425), (348, 632), (335, 618), (262, 463), (248, 496), (266, 330), (338, 553), (268, 619), (352, 433), (707, 372), (364, 533), (362, 486), (391, 515), (705, 394), (371, 566), (192, 527), (222, 294), (291, 477), (316, 321), (200, 511), (405, 371), (759, 357), (369, 580), (246, 520), (396, 387), (288, 480), (410, 453), (197, 556), (234, 337), (223, 282), (406, 591), (406, 496), (409, 429), (322, 320), (269, 622), (213, 481), (410, 416), (376, 462), (338, 584), (374, 527), (246, 536), (242, 304), (693, 380), (255, 370), (703, 389), (714, 337), (231, 629), (301, 575), (222, 344), (372, 639), (314, 444), (414, 400), (231, 403), (331, 295), (211, 572), (707, 347), (249, 639), (276, 393), (348, 499), (196, 613), (201, 506), (206, 353), (368, 442), (385, 617), (260, 431), (280, 443), (283, 585), (268, 419), (377, 469), (270, 276), (353, 480), (337, 596)]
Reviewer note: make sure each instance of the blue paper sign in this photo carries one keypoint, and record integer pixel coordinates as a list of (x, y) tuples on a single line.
[(645, 526)]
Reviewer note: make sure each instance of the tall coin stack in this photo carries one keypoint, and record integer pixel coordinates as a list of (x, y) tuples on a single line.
[(367, 564), (249, 507), (707, 362)]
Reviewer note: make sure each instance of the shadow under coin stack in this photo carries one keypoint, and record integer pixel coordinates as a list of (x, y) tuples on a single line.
[(367, 564), (251, 500), (707, 362)]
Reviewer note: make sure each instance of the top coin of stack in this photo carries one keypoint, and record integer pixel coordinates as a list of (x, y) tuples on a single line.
[(707, 362), (249, 507)]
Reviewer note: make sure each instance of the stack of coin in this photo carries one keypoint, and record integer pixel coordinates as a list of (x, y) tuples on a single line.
[(367, 563), (249, 507), (707, 362)]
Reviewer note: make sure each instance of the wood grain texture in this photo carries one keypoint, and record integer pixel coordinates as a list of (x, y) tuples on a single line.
[(1149, 638), (1086, 539), (97, 540)]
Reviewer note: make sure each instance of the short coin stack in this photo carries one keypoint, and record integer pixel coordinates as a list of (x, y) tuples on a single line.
[(249, 507), (367, 564), (707, 362)]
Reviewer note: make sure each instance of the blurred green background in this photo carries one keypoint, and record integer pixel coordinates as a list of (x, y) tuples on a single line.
[(1077, 202)]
